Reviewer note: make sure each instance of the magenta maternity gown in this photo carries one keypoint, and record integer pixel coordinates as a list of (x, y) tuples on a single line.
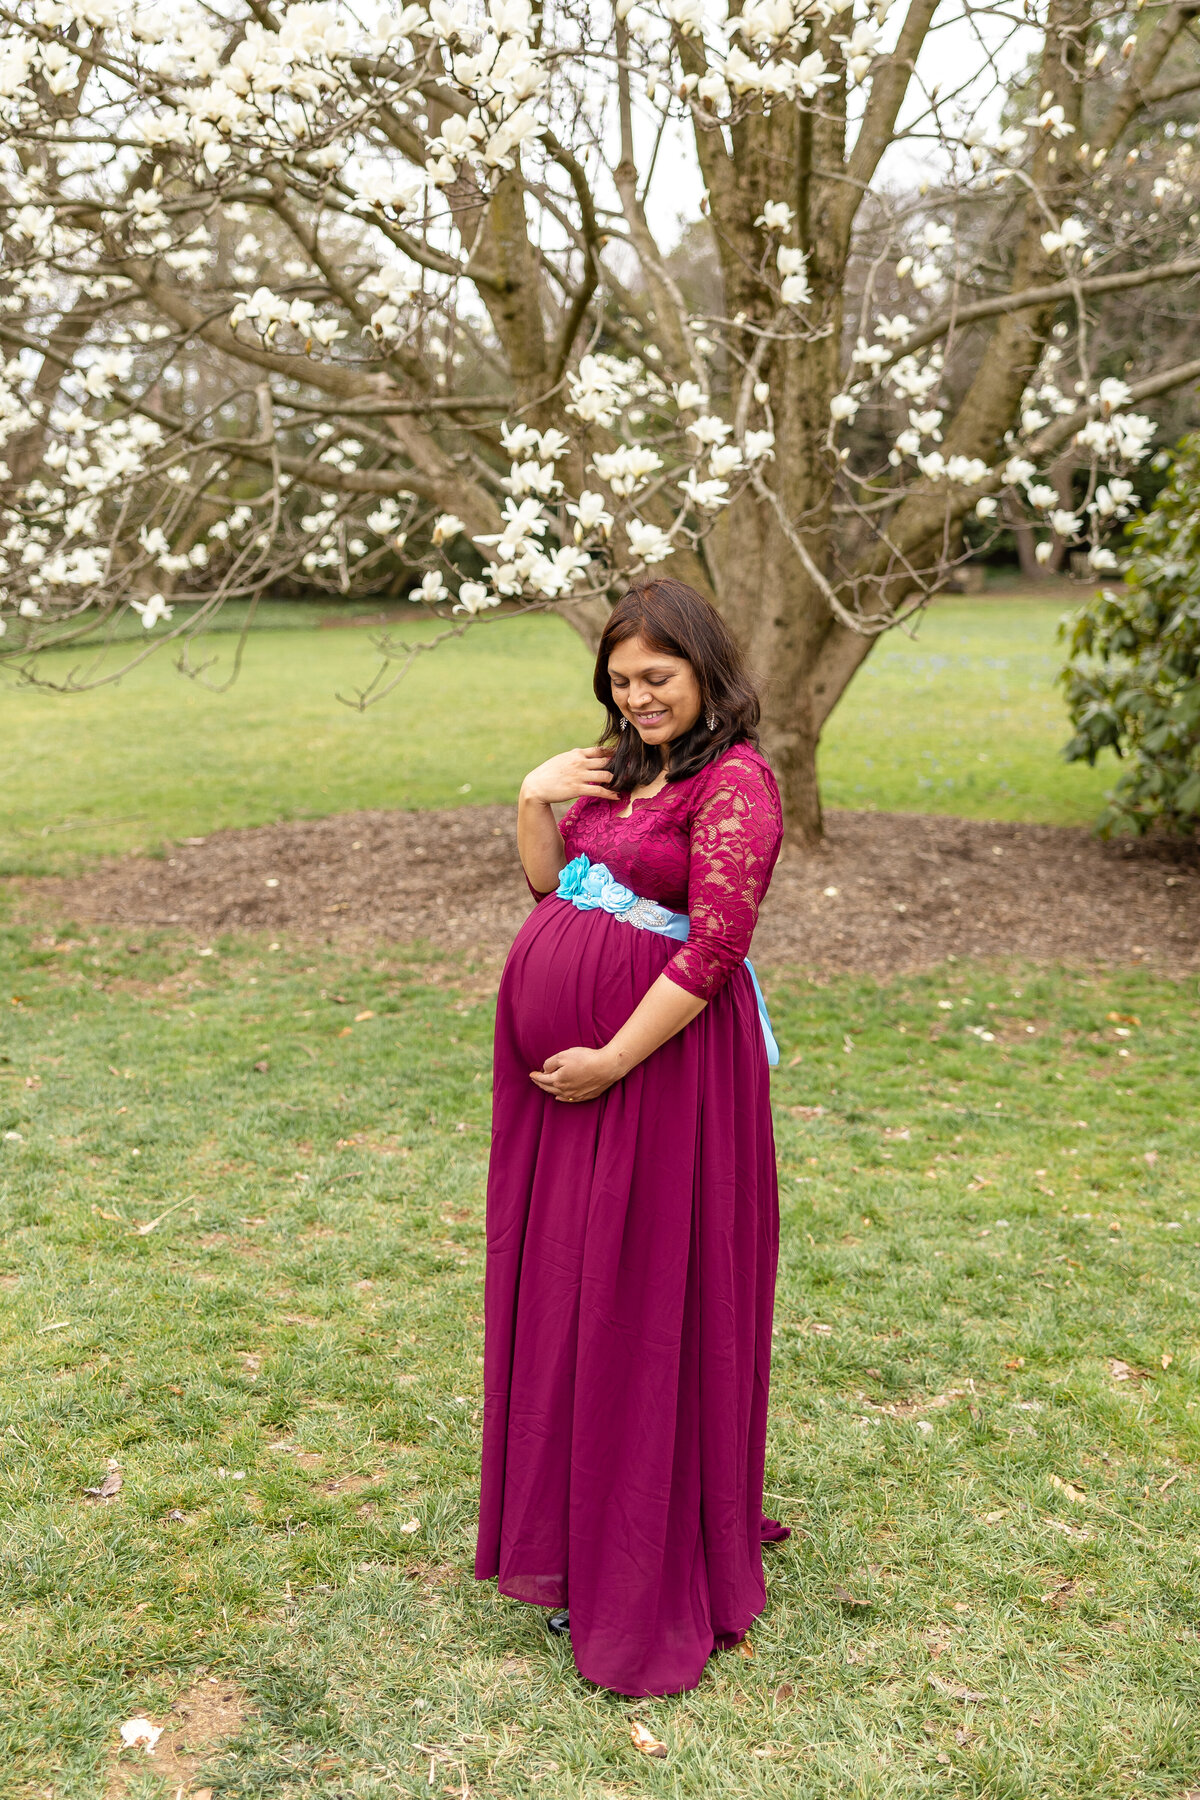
[(631, 1250)]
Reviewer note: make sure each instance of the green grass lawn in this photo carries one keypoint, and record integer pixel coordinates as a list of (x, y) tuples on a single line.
[(965, 719), (990, 1217)]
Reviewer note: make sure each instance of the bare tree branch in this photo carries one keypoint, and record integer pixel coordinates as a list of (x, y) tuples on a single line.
[(1119, 281), (888, 88), (1144, 67)]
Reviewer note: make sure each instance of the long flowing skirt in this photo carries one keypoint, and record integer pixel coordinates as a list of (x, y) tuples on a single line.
[(632, 1244)]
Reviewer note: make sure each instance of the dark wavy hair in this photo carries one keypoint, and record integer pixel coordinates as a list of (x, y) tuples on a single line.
[(674, 619)]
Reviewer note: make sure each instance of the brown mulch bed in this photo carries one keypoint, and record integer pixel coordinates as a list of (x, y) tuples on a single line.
[(888, 891)]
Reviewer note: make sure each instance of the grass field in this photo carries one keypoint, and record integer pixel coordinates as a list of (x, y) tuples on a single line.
[(965, 719), (984, 1426), (241, 1208)]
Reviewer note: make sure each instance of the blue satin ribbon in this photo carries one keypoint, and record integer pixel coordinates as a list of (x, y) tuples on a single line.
[(593, 887)]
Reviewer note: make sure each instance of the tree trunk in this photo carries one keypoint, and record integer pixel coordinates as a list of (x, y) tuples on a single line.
[(1062, 478), (773, 602), (791, 741), (784, 625), (1022, 530), (588, 618)]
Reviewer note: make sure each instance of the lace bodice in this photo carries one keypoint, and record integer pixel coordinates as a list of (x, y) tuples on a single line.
[(705, 846)]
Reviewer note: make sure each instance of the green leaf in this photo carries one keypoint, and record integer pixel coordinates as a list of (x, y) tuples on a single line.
[(1133, 683), (1187, 797)]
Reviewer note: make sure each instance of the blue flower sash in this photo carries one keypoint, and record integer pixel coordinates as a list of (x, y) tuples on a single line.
[(590, 886)]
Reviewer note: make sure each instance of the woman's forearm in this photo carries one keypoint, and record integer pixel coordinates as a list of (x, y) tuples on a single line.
[(662, 1012), (539, 843)]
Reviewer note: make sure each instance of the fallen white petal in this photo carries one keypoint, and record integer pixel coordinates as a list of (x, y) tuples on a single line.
[(141, 1731)]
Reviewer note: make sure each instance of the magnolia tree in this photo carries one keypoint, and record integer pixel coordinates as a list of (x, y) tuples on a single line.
[(290, 290)]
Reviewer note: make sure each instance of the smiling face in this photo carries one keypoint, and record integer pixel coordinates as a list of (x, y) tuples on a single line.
[(657, 693)]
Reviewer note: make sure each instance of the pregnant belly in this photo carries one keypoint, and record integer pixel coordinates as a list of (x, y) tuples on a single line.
[(574, 978)]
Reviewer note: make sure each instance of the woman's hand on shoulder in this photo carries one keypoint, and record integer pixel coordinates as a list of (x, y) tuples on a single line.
[(575, 775)]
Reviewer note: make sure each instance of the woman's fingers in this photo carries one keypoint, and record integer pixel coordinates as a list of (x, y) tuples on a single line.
[(554, 1078), (563, 777), (550, 1085), (590, 770), (570, 1075)]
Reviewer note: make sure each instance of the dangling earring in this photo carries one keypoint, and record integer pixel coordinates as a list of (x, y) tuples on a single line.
[(624, 722), (710, 719)]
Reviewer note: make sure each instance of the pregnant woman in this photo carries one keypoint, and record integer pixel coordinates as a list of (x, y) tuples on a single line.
[(633, 1219)]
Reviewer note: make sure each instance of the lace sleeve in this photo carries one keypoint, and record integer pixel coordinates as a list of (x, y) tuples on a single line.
[(735, 833)]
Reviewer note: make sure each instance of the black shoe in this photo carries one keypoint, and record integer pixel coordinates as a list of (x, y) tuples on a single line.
[(558, 1624)]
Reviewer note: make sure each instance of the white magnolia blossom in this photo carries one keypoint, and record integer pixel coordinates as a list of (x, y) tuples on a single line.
[(862, 47), (794, 289), (648, 543), (875, 356), (473, 597), (431, 588), (1112, 498), (590, 514), (532, 478), (1051, 118), (599, 388), (629, 468), (968, 471), (910, 377), (689, 395), (707, 495), (152, 610), (709, 428), (723, 459), (757, 446), (776, 215), (1127, 436), (1070, 235)]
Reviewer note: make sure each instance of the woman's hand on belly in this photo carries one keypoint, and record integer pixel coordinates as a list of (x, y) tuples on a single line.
[(577, 1074)]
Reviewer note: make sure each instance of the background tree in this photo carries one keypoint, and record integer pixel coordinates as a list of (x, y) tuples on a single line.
[(1133, 682), (288, 289)]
